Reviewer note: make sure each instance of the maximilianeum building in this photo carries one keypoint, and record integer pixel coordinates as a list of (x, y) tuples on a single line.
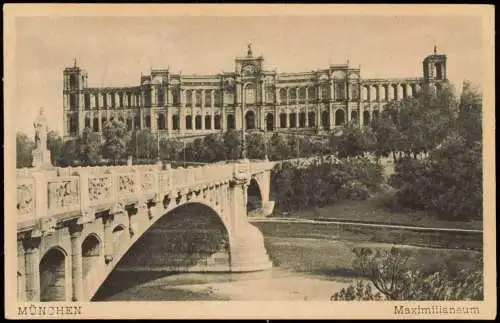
[(252, 97)]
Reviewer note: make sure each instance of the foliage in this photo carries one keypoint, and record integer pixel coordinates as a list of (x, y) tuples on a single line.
[(394, 279), (89, 147), (355, 141), (114, 134), (449, 180), (256, 145), (54, 145), (319, 183), (232, 142), (170, 149), (142, 144), (24, 149)]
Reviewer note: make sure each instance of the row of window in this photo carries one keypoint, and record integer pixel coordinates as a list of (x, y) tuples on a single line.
[(292, 120), (194, 97)]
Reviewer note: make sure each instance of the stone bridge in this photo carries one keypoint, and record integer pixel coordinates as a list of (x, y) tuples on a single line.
[(76, 224)]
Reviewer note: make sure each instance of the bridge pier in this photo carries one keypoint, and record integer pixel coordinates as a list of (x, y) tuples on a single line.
[(248, 252)]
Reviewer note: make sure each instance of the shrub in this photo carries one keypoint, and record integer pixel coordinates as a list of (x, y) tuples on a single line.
[(389, 273)]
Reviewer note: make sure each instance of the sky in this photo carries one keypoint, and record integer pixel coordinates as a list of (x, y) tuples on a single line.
[(116, 50)]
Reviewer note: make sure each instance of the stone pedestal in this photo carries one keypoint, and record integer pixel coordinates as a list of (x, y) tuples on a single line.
[(41, 158)]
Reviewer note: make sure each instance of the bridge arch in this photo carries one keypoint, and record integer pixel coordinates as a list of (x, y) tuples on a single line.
[(91, 252), (205, 232), (254, 196), (54, 275)]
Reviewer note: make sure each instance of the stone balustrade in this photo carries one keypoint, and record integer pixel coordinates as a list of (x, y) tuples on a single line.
[(75, 190)]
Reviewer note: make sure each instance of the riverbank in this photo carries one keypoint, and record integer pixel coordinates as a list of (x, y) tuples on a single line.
[(303, 269), (377, 210)]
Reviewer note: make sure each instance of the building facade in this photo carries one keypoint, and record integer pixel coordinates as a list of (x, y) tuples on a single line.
[(252, 97)]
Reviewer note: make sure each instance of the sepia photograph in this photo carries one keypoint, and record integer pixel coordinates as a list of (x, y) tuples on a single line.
[(193, 161)]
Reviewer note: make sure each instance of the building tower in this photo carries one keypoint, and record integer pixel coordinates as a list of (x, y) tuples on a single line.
[(75, 80), (434, 70)]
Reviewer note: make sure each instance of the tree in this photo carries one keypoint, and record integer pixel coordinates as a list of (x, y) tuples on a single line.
[(470, 113), (355, 142), (114, 133), (232, 141), (54, 145), (24, 150), (68, 153), (277, 148), (256, 146), (394, 279), (213, 149), (170, 149), (89, 148), (142, 145), (449, 180)]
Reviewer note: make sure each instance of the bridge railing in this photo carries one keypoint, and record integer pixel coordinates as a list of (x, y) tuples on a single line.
[(74, 191)]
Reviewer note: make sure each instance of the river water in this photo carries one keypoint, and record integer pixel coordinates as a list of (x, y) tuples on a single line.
[(303, 269)]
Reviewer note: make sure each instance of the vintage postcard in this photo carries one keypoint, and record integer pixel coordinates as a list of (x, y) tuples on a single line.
[(249, 161)]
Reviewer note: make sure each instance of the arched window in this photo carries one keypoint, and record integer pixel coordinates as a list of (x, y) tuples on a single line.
[(283, 96), (354, 92), (340, 91), (366, 117), (137, 122), (160, 94), (339, 117), (293, 95), (250, 94), (250, 120), (208, 98), (175, 122), (161, 122), (325, 92), (325, 120), (283, 120), (354, 116), (208, 122), (231, 124), (269, 122), (73, 102), (95, 124), (73, 125), (218, 98), (302, 120), (269, 95), (293, 120), (189, 97), (175, 97), (87, 122), (312, 119), (86, 99), (302, 94), (189, 122), (197, 122), (198, 98), (73, 82), (311, 93), (217, 124)]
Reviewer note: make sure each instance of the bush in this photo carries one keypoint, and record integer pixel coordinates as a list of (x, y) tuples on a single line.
[(389, 273), (317, 183)]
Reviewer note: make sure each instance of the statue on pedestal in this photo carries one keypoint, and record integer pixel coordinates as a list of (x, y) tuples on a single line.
[(41, 155)]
